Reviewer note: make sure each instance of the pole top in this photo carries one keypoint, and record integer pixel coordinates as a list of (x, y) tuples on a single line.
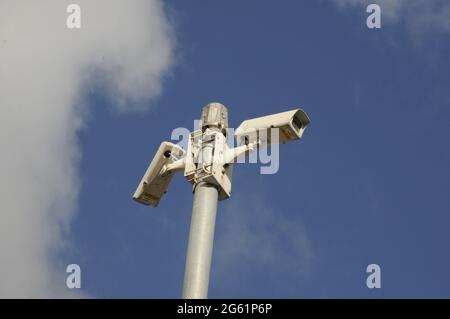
[(214, 115)]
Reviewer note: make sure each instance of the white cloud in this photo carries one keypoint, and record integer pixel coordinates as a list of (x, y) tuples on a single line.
[(127, 48), (419, 15)]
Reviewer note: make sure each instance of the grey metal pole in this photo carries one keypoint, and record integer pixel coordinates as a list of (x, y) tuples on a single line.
[(201, 236), (200, 245)]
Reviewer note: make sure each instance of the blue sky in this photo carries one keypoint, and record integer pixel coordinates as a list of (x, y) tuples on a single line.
[(368, 183)]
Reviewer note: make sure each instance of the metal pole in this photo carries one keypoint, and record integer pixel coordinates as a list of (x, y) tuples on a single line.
[(214, 117), (200, 245)]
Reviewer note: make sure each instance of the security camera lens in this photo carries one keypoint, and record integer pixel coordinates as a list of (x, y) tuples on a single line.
[(297, 123), (167, 154)]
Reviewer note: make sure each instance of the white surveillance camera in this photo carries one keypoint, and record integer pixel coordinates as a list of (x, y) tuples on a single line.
[(159, 174), (290, 126)]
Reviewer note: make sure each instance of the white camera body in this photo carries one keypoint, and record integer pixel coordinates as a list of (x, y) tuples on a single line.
[(157, 178), (289, 126)]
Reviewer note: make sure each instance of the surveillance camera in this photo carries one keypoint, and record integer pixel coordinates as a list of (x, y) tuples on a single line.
[(290, 126), (157, 178)]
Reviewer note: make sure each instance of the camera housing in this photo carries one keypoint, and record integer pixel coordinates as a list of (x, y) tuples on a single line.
[(157, 178), (289, 126)]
